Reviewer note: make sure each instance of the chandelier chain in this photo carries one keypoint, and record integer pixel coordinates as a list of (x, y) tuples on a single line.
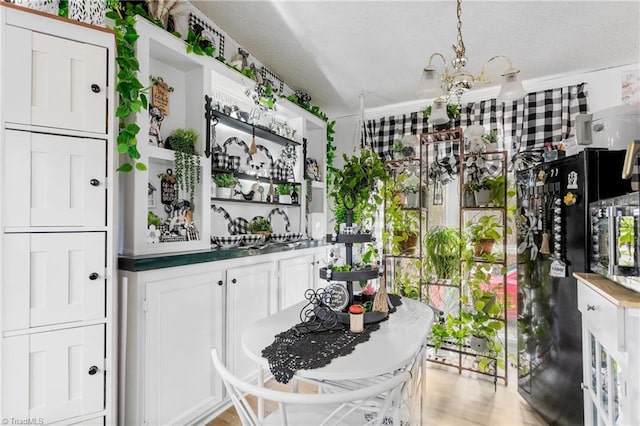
[(459, 49)]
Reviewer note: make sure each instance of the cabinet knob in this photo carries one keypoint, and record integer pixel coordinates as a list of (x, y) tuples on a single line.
[(95, 88), (93, 370), (220, 282), (93, 276), (591, 308), (94, 182), (234, 281)]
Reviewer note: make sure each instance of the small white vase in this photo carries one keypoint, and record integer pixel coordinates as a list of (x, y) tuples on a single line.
[(482, 197), (412, 199), (223, 192), (285, 199)]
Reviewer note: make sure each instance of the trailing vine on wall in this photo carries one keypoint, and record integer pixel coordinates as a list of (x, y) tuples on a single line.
[(331, 148), (132, 95), (198, 44)]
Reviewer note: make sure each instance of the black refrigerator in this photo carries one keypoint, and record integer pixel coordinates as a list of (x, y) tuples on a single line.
[(554, 237)]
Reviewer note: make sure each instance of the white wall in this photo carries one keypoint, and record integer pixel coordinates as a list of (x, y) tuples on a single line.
[(604, 89)]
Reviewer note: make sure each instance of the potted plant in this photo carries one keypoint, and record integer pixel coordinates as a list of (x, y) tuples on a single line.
[(408, 186), (402, 150), (368, 293), (405, 233), (284, 192), (260, 226), (406, 280), (490, 140), (187, 167), (481, 191), (224, 182), (355, 185), (442, 245), (483, 233)]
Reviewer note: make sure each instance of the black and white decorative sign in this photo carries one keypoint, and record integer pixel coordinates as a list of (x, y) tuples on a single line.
[(168, 187)]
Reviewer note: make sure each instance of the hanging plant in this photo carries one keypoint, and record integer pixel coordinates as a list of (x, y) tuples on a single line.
[(331, 150), (355, 185), (187, 162), (132, 95)]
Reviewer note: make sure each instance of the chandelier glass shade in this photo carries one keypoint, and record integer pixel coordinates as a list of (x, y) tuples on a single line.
[(455, 81)]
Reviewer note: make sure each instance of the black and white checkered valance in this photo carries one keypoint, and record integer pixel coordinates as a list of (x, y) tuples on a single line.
[(545, 116), (380, 134)]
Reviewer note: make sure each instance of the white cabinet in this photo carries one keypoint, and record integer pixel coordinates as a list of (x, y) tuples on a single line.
[(56, 82), (174, 316), (55, 375), (52, 278), (183, 322), (57, 245), (53, 180), (611, 351), (250, 291), (298, 274)]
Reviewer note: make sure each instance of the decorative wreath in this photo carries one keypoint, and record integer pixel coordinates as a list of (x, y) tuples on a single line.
[(289, 155)]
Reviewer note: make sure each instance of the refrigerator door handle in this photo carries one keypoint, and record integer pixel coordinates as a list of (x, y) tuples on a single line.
[(611, 221), (630, 157)]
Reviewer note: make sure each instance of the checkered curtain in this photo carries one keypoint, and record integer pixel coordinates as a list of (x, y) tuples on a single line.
[(380, 134), (545, 116)]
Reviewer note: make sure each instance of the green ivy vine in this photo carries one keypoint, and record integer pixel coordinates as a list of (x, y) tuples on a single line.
[(331, 148), (132, 95), (199, 45)]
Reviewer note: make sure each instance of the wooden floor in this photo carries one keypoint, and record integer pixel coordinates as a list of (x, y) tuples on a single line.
[(455, 400)]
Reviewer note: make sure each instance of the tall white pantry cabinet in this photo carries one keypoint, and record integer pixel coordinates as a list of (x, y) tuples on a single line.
[(57, 249)]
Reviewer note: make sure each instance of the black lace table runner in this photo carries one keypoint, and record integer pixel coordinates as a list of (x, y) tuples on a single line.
[(296, 349)]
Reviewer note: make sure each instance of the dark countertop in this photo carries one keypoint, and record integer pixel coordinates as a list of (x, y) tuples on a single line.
[(169, 260)]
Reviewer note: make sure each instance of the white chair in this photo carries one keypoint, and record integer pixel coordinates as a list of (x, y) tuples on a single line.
[(410, 401), (354, 407)]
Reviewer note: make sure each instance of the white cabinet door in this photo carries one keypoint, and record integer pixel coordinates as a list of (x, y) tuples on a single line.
[(53, 180), (56, 82), (54, 375), (184, 321), (296, 276), (319, 261), (250, 292), (52, 278)]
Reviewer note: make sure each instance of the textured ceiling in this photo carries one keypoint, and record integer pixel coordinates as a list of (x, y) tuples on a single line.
[(334, 50)]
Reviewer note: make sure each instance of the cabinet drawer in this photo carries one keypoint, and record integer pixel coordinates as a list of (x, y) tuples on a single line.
[(49, 375), (599, 314), (52, 278), (51, 180), (55, 82)]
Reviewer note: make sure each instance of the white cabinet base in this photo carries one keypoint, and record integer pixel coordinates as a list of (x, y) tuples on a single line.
[(51, 376), (610, 352)]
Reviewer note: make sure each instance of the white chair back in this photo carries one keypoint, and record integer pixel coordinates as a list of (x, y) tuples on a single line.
[(359, 407)]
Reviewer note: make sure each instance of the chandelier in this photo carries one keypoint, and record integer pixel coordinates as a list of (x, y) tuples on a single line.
[(456, 82)]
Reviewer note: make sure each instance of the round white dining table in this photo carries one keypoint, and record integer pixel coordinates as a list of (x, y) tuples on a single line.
[(392, 347)]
